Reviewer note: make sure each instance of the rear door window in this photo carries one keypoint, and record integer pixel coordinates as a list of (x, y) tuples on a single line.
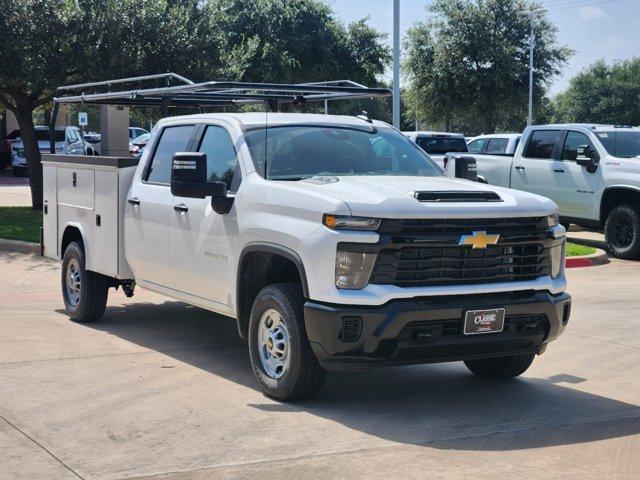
[(497, 146), (442, 145), (172, 140), (541, 144), (477, 146)]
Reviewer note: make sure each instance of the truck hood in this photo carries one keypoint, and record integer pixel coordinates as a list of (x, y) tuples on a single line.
[(393, 197)]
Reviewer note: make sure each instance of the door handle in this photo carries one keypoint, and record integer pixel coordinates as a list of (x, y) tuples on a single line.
[(519, 167), (133, 201), (558, 170), (181, 207)]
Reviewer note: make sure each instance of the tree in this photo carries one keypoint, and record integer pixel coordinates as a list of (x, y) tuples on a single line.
[(49, 43), (602, 94), (468, 65)]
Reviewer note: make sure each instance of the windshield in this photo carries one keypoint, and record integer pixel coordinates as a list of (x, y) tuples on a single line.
[(296, 152), (44, 135), (442, 145), (621, 144)]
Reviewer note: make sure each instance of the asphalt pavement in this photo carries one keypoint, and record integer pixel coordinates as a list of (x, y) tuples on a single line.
[(162, 390)]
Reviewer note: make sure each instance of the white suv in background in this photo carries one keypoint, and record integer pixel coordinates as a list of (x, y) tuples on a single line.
[(68, 141)]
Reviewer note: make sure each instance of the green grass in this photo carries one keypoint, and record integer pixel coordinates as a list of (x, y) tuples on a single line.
[(20, 223), (575, 250)]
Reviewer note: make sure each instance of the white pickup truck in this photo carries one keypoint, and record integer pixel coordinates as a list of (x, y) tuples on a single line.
[(591, 171), (334, 242)]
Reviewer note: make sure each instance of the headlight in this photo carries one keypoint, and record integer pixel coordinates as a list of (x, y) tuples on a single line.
[(353, 269), (557, 259), (553, 219), (345, 222)]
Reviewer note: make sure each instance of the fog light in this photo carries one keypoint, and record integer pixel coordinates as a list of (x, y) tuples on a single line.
[(557, 259), (353, 269)]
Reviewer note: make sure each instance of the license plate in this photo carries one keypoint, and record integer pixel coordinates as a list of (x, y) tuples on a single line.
[(483, 321)]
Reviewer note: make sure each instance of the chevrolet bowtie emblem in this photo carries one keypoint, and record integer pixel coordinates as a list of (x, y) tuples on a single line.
[(479, 240)]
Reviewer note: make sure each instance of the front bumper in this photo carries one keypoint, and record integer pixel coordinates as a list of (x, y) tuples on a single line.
[(427, 330)]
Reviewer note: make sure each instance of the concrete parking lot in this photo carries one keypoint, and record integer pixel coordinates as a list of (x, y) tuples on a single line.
[(162, 390), (14, 191)]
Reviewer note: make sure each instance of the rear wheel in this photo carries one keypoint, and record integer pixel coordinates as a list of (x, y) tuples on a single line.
[(501, 367), (622, 231), (281, 356), (84, 292)]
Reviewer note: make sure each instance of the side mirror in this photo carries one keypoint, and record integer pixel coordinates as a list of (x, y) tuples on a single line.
[(189, 175), (464, 166), (189, 179), (587, 157), (220, 202)]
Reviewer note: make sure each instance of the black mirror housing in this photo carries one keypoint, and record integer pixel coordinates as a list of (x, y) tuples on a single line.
[(189, 179), (220, 201), (189, 175), (588, 158)]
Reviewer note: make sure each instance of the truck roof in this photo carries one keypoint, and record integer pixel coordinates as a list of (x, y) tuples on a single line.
[(260, 119), (590, 126), (498, 135), (432, 133)]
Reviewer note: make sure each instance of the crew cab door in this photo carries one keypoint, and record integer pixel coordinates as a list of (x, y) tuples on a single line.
[(576, 187), (149, 212), (534, 170), (200, 237)]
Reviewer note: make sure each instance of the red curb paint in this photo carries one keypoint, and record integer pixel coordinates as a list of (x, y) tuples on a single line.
[(578, 262)]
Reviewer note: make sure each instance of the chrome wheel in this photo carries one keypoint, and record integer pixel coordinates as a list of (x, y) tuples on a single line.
[(274, 344), (73, 283)]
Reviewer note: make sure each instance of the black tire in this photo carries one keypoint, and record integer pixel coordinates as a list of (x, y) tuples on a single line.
[(622, 231), (500, 367), (91, 300), (303, 376)]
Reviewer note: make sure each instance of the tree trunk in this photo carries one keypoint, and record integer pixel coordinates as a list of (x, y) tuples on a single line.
[(24, 115)]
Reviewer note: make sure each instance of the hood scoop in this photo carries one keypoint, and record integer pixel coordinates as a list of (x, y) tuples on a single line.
[(457, 197)]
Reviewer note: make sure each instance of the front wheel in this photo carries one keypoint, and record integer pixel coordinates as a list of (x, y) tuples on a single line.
[(500, 367), (84, 292), (622, 231), (281, 356)]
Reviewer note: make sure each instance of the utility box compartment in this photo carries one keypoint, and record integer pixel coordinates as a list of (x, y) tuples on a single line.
[(89, 194)]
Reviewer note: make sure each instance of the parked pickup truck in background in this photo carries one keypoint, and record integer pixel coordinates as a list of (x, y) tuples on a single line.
[(438, 144), (493, 154), (591, 171)]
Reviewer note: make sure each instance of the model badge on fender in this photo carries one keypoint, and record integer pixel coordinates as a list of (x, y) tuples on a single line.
[(479, 240)]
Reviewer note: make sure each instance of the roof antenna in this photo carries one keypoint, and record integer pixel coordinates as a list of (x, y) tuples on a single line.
[(364, 116)]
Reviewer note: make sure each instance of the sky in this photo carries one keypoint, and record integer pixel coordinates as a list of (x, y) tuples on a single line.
[(594, 29)]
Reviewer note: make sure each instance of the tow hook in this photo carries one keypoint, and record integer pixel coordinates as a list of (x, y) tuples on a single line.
[(128, 287)]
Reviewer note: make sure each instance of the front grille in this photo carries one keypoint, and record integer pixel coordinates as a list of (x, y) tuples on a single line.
[(425, 252)]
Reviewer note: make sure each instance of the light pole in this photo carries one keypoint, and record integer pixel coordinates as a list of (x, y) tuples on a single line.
[(532, 41), (396, 64)]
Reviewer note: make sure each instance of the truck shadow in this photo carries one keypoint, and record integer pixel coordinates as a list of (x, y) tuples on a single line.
[(442, 406)]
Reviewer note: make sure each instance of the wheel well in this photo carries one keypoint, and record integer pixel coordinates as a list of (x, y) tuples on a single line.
[(614, 197), (258, 269), (71, 234)]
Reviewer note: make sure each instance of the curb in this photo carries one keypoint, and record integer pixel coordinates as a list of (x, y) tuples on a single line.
[(19, 246), (598, 258)]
